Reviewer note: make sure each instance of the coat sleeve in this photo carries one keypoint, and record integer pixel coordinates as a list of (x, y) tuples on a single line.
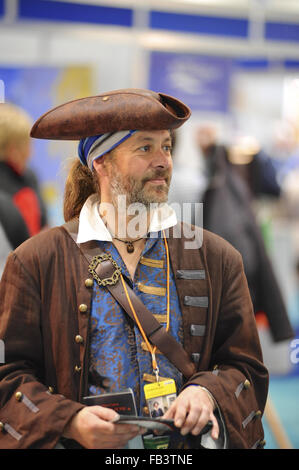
[(237, 379), (30, 415)]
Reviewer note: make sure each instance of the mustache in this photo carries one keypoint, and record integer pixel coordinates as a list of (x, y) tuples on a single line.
[(165, 174)]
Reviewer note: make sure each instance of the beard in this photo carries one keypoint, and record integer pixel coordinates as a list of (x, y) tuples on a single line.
[(137, 191)]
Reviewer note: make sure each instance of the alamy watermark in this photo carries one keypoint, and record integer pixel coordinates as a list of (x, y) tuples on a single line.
[(2, 352), (294, 354), (132, 221)]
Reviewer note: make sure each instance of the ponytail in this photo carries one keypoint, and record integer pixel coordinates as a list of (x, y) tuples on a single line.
[(80, 184)]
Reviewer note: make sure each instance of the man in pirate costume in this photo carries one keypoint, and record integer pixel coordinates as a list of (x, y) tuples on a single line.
[(96, 305)]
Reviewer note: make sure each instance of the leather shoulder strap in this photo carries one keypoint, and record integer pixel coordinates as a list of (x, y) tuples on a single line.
[(105, 272)]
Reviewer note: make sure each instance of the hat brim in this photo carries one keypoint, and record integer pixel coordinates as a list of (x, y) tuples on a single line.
[(111, 112)]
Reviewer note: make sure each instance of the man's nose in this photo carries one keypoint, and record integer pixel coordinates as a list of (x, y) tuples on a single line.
[(161, 159)]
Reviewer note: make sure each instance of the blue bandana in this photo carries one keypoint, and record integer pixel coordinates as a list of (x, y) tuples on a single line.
[(91, 148)]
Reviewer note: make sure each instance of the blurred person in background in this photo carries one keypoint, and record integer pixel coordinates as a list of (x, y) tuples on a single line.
[(17, 181), (257, 167), (227, 212), (188, 184), (13, 230), (285, 150)]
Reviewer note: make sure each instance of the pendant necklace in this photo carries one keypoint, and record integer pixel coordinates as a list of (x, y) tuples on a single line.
[(129, 244)]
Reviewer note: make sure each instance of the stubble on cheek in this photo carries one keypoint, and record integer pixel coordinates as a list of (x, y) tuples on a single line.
[(139, 191)]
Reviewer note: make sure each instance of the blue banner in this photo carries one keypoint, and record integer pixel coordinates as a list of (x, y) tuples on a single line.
[(202, 82)]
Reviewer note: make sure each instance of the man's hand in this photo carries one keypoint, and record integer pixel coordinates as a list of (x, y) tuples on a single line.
[(91, 427), (191, 411)]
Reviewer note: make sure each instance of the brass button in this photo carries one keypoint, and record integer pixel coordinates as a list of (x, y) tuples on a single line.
[(51, 389), (145, 410), (79, 339), (105, 98), (262, 443), (247, 384), (88, 282), (82, 308), (19, 396), (258, 414), (1, 426), (78, 368)]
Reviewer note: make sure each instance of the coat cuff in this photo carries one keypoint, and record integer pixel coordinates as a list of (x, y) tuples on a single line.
[(33, 418)]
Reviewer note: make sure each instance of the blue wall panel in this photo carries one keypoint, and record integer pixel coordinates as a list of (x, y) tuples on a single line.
[(282, 31), (252, 63), (1, 8), (291, 64), (199, 24), (74, 12)]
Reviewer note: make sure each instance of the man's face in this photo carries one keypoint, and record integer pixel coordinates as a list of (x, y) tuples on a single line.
[(141, 167)]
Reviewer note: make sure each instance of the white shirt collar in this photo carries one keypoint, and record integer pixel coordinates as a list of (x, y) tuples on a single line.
[(92, 227)]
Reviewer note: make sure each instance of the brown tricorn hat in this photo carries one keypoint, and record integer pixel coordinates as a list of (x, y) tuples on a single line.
[(111, 112)]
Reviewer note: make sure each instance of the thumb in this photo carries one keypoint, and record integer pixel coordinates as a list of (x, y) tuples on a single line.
[(107, 414)]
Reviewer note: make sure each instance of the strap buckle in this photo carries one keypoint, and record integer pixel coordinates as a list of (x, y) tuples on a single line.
[(96, 261)]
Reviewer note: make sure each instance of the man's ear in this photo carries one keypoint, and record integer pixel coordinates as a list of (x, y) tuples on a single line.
[(100, 166)]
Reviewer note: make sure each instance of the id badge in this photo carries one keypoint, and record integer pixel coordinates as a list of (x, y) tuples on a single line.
[(160, 396)]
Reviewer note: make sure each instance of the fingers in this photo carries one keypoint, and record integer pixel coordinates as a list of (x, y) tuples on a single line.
[(109, 415), (127, 429), (191, 411), (196, 421), (194, 426), (215, 428), (92, 427)]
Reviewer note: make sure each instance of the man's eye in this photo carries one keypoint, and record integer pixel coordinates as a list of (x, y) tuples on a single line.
[(144, 148), (168, 148)]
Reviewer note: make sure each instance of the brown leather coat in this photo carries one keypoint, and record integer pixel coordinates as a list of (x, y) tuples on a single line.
[(45, 300)]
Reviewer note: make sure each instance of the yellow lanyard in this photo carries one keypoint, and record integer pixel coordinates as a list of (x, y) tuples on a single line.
[(150, 348)]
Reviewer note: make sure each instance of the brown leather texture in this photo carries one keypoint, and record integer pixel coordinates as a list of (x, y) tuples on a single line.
[(127, 109)]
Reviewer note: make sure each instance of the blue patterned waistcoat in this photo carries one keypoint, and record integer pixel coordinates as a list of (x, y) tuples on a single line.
[(118, 350)]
